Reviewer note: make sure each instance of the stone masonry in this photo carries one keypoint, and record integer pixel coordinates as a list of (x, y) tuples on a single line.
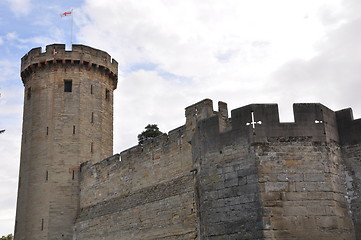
[(244, 176), (68, 119)]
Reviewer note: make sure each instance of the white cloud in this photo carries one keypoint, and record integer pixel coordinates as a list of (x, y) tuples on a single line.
[(20, 7)]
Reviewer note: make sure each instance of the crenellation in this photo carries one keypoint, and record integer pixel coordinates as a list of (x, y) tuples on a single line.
[(261, 121), (80, 54), (349, 128)]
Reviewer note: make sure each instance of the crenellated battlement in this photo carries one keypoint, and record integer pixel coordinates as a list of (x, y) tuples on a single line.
[(87, 57), (261, 121), (257, 122)]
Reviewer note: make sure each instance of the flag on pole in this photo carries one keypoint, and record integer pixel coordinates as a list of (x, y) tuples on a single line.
[(64, 14), (67, 13)]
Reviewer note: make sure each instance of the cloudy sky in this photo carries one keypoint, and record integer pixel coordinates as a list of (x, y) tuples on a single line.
[(174, 53)]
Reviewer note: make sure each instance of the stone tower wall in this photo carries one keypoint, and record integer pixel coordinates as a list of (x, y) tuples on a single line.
[(274, 180), (350, 138), (61, 129)]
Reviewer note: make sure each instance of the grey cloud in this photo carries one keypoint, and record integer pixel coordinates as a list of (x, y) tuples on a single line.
[(333, 76)]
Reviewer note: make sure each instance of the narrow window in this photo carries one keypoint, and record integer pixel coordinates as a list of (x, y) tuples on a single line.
[(73, 130), (46, 176), (73, 175), (91, 147), (91, 89), (107, 94), (68, 84), (28, 93), (47, 130), (92, 118), (42, 224)]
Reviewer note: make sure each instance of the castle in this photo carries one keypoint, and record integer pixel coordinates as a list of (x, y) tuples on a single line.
[(244, 176)]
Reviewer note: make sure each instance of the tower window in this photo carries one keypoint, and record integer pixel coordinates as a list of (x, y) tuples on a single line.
[(47, 130), (107, 94), (42, 224), (91, 89), (28, 93), (91, 147), (46, 176), (73, 129), (68, 84), (92, 118)]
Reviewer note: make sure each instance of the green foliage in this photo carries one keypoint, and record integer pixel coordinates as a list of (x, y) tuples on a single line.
[(1, 131), (8, 237), (151, 131)]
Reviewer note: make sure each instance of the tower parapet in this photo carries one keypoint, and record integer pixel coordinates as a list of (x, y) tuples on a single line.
[(79, 55)]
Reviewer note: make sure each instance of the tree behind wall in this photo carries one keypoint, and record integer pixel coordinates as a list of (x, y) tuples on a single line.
[(151, 131), (8, 237)]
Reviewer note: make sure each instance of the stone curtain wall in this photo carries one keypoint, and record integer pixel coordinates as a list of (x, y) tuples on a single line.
[(146, 192), (245, 177), (149, 194)]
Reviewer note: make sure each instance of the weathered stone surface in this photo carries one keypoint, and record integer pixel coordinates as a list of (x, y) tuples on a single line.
[(60, 131)]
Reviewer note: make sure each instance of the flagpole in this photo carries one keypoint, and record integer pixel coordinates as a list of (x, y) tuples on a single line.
[(71, 27), (71, 34)]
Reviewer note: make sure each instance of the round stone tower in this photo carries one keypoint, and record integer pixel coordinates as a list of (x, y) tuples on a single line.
[(68, 119)]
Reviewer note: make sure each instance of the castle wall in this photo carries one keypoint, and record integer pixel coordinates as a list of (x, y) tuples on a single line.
[(146, 192), (271, 180), (149, 194)]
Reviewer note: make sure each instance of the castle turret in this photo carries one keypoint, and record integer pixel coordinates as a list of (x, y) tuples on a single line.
[(68, 119)]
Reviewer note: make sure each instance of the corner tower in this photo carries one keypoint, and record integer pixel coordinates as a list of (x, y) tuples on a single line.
[(68, 119)]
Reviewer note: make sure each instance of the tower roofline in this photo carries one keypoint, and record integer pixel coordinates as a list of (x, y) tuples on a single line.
[(80, 54)]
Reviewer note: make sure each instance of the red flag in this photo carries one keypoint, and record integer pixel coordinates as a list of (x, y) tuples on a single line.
[(66, 13)]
